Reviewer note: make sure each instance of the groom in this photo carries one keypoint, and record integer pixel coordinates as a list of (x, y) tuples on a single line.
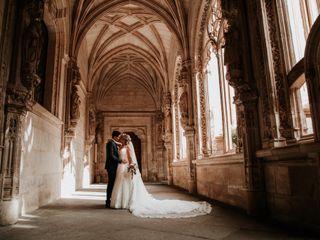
[(112, 163)]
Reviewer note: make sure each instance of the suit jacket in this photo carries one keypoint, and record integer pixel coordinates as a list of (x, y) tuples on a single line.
[(112, 160)]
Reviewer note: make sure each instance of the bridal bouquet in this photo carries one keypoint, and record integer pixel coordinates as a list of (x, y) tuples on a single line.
[(132, 169)]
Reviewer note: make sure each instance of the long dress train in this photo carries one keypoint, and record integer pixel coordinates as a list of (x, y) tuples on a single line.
[(132, 194)]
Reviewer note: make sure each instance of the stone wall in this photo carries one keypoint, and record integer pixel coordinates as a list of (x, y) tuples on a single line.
[(222, 179), (292, 184), (127, 96), (180, 174), (41, 162)]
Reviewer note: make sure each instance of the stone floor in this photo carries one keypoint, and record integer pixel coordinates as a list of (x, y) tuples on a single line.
[(83, 216)]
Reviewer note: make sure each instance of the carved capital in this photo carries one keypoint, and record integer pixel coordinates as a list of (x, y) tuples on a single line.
[(185, 74), (19, 99), (75, 105), (167, 113), (159, 116), (74, 71), (167, 138)]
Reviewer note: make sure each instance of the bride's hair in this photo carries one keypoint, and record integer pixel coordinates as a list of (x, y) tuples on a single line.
[(126, 138)]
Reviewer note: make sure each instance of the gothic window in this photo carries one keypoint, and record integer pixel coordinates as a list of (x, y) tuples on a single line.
[(301, 108), (180, 141), (298, 15), (221, 108), (215, 107), (183, 143)]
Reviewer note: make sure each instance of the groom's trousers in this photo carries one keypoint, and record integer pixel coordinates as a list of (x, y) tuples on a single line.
[(112, 178)]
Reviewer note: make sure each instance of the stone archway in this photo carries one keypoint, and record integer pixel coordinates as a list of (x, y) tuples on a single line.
[(138, 134)]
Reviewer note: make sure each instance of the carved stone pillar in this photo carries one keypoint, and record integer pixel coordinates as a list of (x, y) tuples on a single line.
[(99, 140), (6, 47), (267, 105), (277, 67), (192, 181), (72, 101), (246, 97), (92, 119), (18, 102), (159, 146), (247, 102), (203, 113), (176, 116), (168, 155), (167, 113), (167, 137), (186, 119)]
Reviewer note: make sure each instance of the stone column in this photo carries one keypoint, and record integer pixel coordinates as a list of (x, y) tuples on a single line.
[(247, 102), (167, 137), (278, 76), (239, 75), (192, 181), (186, 119), (72, 100), (18, 102), (169, 156), (176, 117), (99, 140), (24, 57)]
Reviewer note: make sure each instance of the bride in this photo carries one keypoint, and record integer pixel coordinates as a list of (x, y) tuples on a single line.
[(129, 191)]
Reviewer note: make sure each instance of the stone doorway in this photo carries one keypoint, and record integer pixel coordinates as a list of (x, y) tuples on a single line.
[(137, 147)]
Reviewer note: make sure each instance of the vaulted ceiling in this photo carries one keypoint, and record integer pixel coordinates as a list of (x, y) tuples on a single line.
[(120, 41)]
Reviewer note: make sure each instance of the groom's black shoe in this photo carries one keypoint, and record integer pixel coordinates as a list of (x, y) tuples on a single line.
[(107, 204)]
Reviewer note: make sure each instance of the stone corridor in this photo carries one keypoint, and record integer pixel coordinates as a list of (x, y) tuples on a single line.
[(82, 216)]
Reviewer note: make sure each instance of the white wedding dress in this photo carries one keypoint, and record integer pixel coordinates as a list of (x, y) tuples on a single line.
[(131, 193)]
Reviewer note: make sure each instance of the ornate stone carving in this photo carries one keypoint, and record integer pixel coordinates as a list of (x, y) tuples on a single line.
[(266, 104), (183, 79), (201, 68), (92, 121), (75, 104), (99, 130), (286, 124), (203, 114), (233, 53), (167, 113), (32, 46), (183, 105), (176, 109), (19, 99), (217, 26), (184, 84), (74, 98), (159, 126), (10, 165)]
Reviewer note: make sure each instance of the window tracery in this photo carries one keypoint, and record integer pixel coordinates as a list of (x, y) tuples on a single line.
[(221, 110)]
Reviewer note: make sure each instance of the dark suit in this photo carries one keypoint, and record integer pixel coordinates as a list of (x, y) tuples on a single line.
[(111, 166)]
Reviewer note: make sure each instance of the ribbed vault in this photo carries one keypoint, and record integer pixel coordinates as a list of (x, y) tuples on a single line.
[(127, 42)]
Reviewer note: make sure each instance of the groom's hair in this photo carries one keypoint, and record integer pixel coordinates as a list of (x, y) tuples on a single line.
[(115, 134)]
